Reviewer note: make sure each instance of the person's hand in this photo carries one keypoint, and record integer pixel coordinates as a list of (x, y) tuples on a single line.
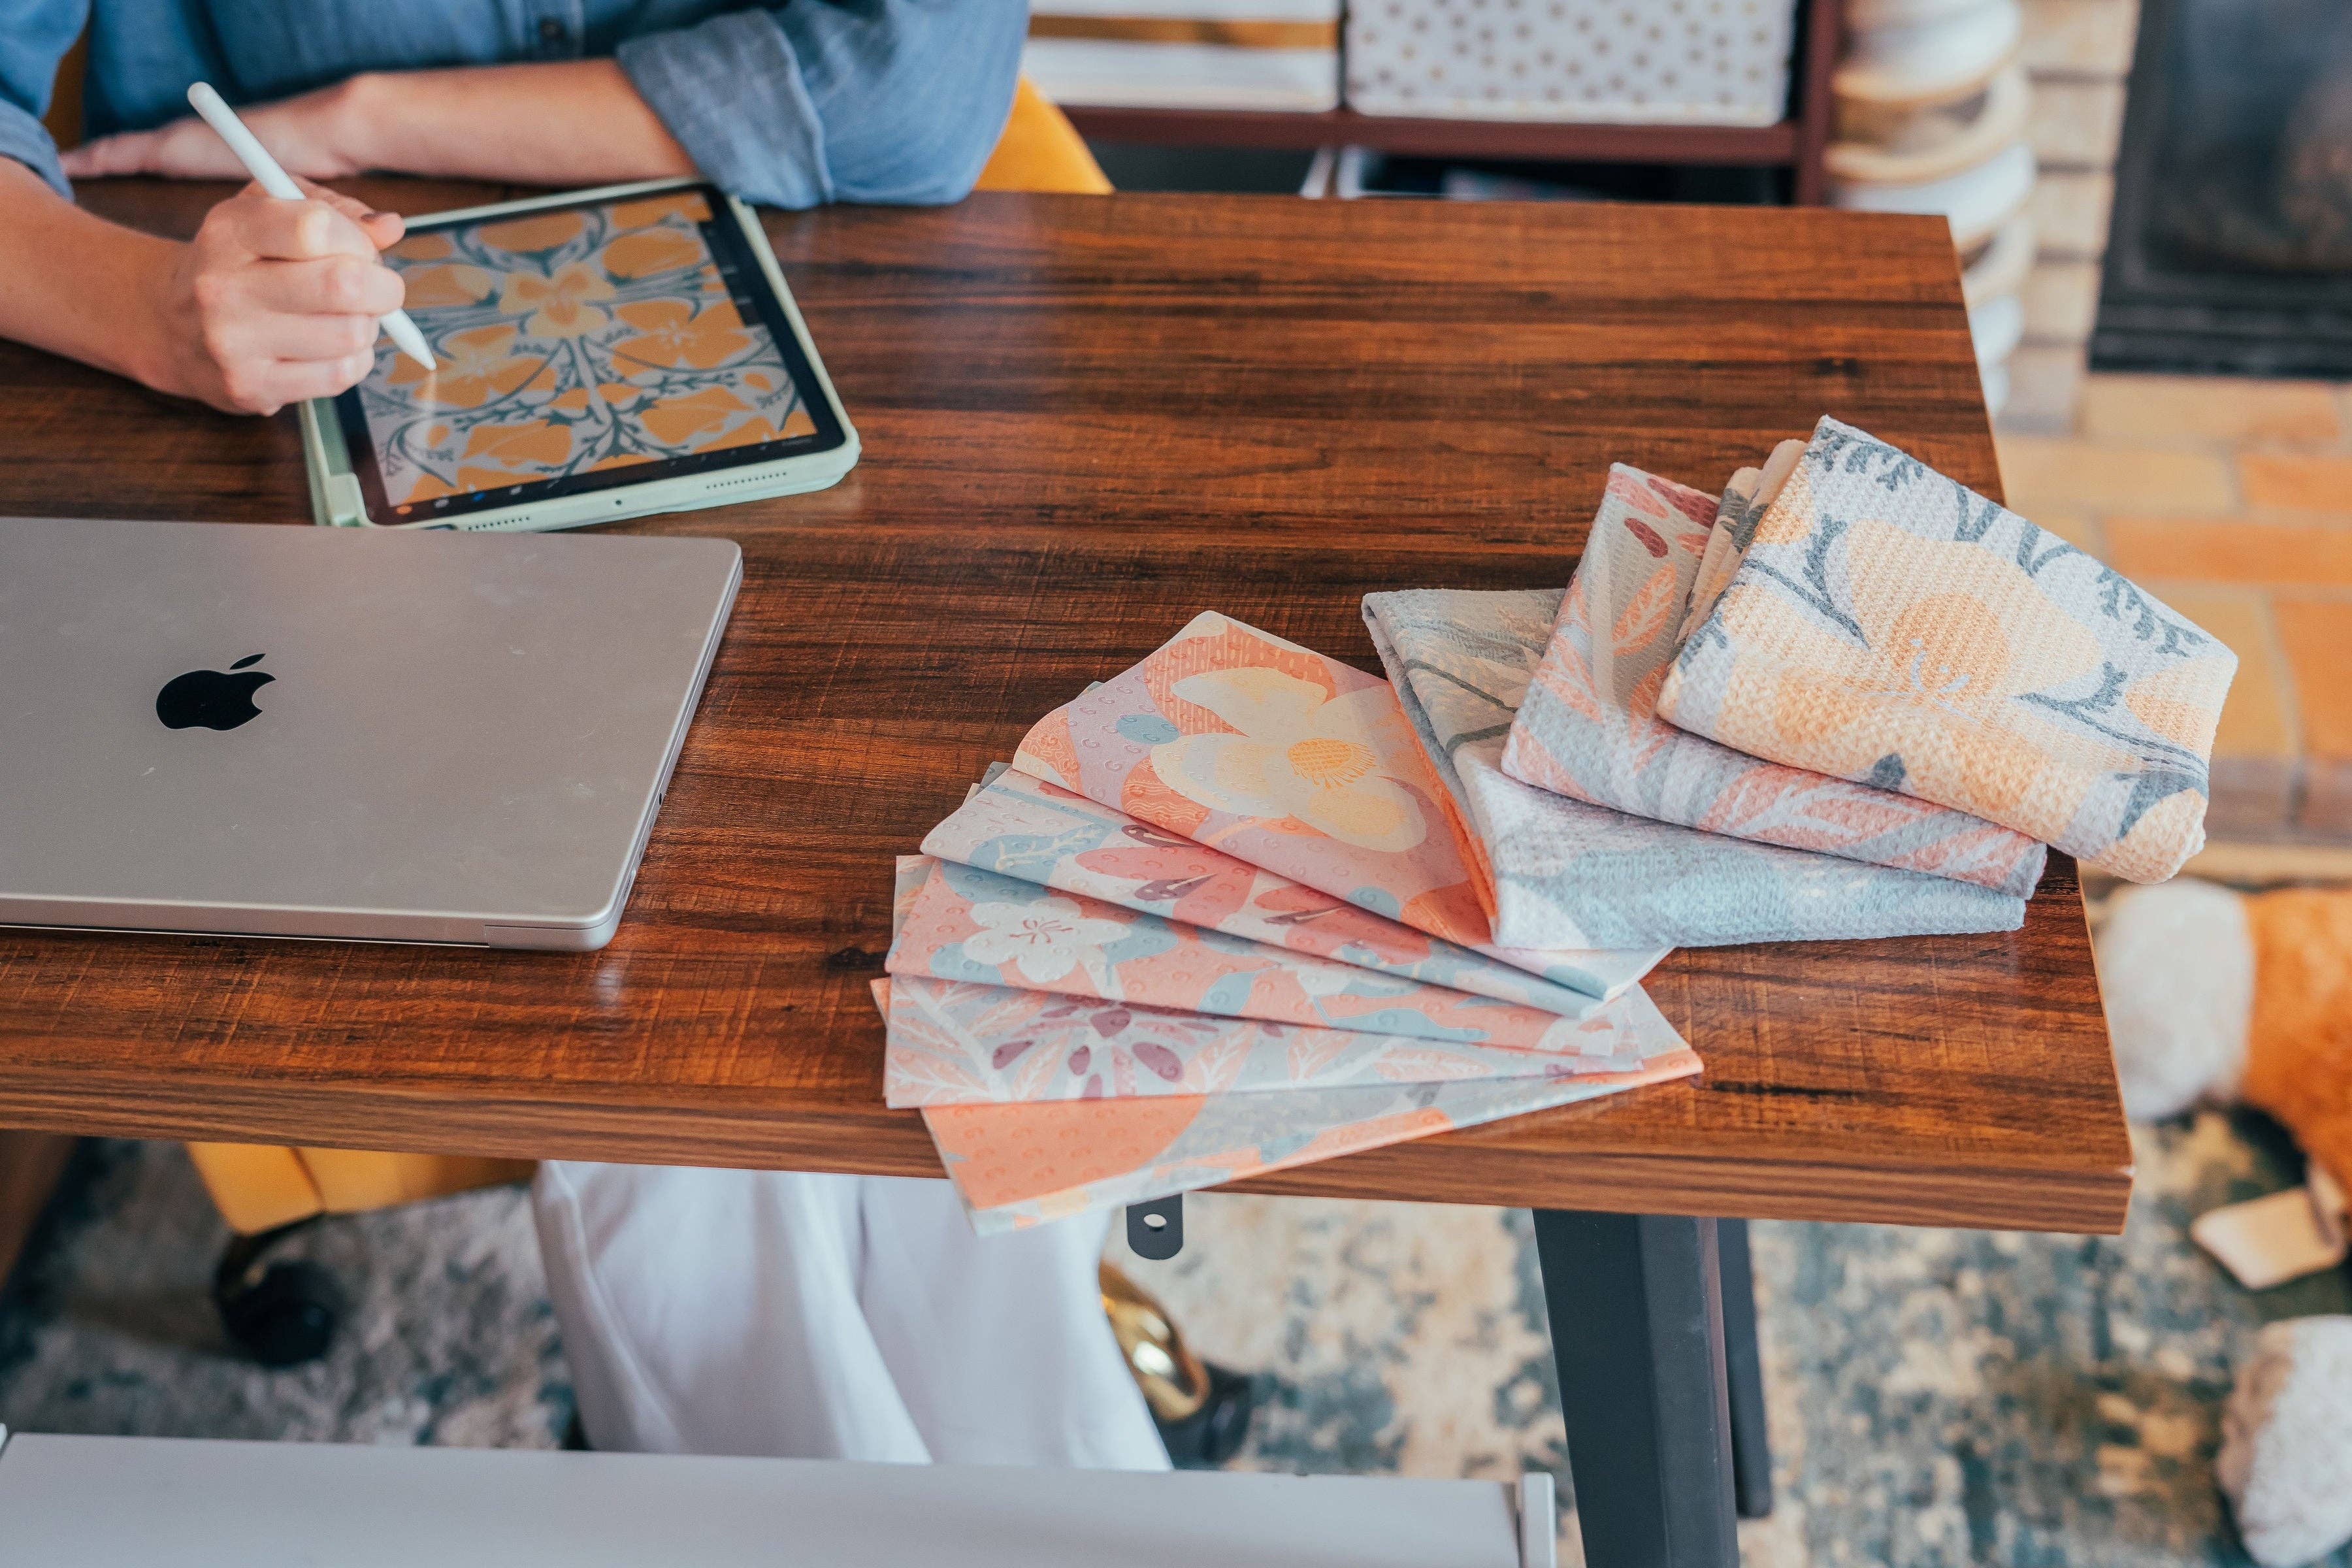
[(272, 303), (317, 134)]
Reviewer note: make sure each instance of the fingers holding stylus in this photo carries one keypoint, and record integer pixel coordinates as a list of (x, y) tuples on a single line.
[(284, 295), (324, 223)]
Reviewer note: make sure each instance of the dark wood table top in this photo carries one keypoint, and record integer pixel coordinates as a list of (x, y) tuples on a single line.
[(1087, 418)]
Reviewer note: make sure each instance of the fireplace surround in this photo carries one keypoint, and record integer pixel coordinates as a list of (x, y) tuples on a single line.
[(2231, 244)]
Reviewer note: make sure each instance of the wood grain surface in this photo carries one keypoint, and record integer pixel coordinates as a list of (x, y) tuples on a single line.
[(1085, 419)]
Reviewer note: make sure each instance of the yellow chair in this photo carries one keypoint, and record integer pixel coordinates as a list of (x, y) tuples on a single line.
[(285, 1313)]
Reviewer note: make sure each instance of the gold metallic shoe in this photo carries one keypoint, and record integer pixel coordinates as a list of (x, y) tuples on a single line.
[(1203, 1410)]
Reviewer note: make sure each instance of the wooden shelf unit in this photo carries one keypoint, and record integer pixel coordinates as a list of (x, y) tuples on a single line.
[(1794, 143)]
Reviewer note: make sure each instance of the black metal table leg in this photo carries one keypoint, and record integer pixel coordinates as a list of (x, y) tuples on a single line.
[(1743, 1364), (1636, 1309)]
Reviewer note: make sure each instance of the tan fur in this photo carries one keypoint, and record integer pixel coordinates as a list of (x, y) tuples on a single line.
[(2299, 1046)]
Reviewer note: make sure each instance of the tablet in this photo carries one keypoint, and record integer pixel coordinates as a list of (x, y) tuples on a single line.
[(601, 354)]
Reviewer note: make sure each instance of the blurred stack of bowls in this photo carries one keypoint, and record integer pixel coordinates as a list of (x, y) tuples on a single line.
[(1931, 117)]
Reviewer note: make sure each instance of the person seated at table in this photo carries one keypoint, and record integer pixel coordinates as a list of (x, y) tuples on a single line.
[(793, 106), (703, 1310)]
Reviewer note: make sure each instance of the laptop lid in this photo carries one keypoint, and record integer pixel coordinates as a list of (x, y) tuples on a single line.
[(345, 733)]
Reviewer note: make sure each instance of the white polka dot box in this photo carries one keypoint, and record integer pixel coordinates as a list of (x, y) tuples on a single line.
[(1628, 62)]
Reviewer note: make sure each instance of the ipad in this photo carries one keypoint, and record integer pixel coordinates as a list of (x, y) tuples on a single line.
[(601, 354)]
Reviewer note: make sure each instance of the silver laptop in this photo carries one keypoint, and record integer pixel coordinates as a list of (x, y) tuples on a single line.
[(383, 736)]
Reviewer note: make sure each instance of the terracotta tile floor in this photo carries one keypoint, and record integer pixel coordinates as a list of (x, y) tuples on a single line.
[(2232, 499)]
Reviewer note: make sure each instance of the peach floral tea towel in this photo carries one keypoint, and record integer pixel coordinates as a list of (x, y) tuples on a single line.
[(1290, 760), (954, 1042), (1891, 627), (966, 924), (1024, 827), (1021, 1165), (1590, 728), (1566, 870)]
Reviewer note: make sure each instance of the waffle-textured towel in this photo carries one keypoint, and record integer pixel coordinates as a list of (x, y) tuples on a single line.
[(1891, 627), (1590, 728), (1566, 872), (1744, 501)]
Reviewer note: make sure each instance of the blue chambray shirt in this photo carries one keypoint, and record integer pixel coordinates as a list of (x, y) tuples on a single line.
[(791, 105)]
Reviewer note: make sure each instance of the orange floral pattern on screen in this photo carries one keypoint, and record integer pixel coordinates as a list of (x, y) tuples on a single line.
[(543, 231), (571, 341), (678, 420), (476, 367), (652, 251), (671, 332), (456, 284), (561, 305), (687, 206)]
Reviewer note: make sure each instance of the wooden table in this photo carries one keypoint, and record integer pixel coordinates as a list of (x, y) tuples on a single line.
[(1085, 419)]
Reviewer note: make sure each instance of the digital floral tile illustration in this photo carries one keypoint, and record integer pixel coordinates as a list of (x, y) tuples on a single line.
[(1299, 763), (571, 342), (1893, 628), (1589, 727)]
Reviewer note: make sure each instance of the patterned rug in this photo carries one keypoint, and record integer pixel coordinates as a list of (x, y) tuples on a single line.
[(1937, 1398)]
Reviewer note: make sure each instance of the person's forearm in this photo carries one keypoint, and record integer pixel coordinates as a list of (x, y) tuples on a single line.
[(569, 123), (77, 285)]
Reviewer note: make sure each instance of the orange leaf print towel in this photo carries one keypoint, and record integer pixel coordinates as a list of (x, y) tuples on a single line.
[(1588, 728), (1890, 626)]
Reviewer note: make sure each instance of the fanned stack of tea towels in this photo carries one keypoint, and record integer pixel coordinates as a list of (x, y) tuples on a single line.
[(1212, 921), (1243, 906)]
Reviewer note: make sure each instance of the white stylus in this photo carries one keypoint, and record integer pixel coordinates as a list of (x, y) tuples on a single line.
[(271, 178)]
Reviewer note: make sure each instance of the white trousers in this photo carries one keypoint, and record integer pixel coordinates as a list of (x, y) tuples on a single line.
[(768, 1313)]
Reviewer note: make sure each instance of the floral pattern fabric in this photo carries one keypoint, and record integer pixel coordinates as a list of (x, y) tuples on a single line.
[(1890, 626), (1744, 498), (1026, 828), (966, 924), (1589, 727), (960, 1043), (1302, 765), (1565, 871), (571, 340), (1018, 1165)]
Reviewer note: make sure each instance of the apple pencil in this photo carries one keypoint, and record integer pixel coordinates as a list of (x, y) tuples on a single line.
[(271, 178)]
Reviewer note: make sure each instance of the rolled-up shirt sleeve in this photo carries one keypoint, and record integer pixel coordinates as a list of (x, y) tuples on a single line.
[(33, 38), (837, 101)]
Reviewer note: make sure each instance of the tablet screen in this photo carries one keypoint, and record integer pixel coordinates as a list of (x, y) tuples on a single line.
[(581, 347)]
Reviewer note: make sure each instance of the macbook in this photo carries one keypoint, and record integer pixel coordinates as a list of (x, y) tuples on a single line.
[(367, 735)]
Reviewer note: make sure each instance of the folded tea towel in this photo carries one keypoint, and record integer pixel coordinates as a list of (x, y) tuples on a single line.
[(1022, 827), (1742, 508), (955, 1042), (1569, 873), (1590, 728), (1293, 762), (1016, 1165), (1890, 626), (968, 924)]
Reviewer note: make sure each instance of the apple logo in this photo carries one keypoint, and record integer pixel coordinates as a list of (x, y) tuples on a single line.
[(216, 699)]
